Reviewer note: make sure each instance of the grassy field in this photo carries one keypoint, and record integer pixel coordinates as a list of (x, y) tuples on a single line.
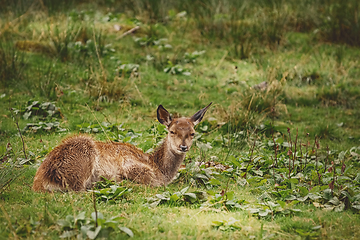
[(280, 145)]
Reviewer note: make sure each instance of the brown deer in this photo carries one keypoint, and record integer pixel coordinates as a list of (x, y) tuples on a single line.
[(79, 161)]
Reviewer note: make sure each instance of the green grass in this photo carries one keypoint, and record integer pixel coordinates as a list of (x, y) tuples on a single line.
[(72, 55)]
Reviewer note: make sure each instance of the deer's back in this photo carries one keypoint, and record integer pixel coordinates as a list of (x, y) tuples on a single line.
[(69, 165), (79, 161), (117, 160)]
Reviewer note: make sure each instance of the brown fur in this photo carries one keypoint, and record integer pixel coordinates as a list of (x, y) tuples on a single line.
[(79, 160)]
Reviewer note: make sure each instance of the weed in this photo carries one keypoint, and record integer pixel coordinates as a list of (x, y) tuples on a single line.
[(341, 27), (95, 227), (194, 175), (328, 131), (108, 90), (12, 64), (11, 167), (177, 198), (226, 225), (77, 42), (176, 69), (337, 95), (45, 110), (111, 194)]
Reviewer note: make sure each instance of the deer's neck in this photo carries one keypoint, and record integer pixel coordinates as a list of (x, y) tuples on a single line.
[(166, 161)]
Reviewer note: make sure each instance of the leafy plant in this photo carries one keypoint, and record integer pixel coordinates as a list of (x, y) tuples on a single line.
[(224, 199), (109, 191), (89, 48), (191, 57), (177, 198), (45, 110), (95, 227), (42, 127), (227, 225), (144, 41), (12, 65), (176, 69), (77, 40), (96, 128), (127, 70), (194, 174)]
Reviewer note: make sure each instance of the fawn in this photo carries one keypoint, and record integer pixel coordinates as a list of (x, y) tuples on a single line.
[(79, 161)]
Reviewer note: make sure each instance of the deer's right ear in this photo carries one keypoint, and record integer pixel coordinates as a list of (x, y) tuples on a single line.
[(197, 117), (163, 116)]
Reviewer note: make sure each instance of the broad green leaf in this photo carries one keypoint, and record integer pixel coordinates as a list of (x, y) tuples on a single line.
[(340, 207), (201, 176), (154, 204), (68, 234), (294, 180), (313, 196), (127, 231), (161, 196), (27, 115), (230, 195), (263, 213), (262, 182), (356, 207), (70, 219), (101, 221), (335, 201), (242, 182), (282, 203), (285, 193), (217, 223), (302, 199), (214, 182), (184, 190), (93, 234), (344, 178), (315, 189), (290, 197), (258, 172), (341, 155), (328, 194), (235, 161), (316, 227), (174, 197), (191, 195), (80, 216), (63, 223), (303, 191), (357, 178), (99, 215)]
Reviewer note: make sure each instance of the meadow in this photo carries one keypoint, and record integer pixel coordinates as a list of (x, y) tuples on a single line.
[(275, 157)]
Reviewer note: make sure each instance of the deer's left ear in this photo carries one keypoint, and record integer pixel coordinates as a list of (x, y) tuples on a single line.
[(163, 116), (197, 117)]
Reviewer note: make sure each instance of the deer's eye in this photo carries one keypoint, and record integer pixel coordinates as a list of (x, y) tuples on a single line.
[(172, 132), (192, 134)]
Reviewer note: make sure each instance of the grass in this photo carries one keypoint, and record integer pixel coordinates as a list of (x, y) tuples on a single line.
[(183, 57)]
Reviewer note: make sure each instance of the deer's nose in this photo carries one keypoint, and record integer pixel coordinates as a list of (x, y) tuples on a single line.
[(183, 148)]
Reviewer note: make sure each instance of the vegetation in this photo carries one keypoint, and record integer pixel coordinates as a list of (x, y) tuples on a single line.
[(276, 157)]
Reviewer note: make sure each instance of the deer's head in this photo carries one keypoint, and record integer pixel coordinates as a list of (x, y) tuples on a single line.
[(181, 130)]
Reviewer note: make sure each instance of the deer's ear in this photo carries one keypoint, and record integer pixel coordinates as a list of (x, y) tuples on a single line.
[(197, 117), (163, 116)]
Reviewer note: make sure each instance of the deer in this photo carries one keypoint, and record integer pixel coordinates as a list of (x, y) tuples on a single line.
[(80, 161)]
